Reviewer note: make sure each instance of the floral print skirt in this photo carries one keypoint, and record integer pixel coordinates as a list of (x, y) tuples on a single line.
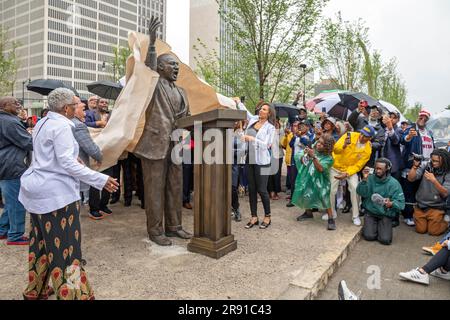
[(55, 255)]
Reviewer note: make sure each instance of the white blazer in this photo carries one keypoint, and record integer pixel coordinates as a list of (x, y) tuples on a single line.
[(264, 139)]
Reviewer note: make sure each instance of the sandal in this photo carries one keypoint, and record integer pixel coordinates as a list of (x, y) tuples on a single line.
[(265, 225), (251, 225)]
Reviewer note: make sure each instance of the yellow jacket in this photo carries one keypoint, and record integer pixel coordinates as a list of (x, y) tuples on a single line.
[(285, 144), (351, 160)]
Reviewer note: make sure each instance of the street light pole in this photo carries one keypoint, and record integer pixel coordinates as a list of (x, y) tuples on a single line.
[(304, 66)]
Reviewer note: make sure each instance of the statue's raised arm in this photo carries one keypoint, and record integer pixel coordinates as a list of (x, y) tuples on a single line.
[(151, 60)]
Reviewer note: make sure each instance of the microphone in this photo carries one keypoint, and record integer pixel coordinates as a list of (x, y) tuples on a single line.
[(378, 199)]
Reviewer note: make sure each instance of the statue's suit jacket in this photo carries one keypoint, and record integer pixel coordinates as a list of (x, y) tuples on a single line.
[(161, 116)]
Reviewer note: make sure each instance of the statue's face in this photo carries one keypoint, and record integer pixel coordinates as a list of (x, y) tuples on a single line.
[(168, 68)]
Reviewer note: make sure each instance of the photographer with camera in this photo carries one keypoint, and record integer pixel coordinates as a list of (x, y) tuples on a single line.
[(383, 199), (433, 191), (419, 143)]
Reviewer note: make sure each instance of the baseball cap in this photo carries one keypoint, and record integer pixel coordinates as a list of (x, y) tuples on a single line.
[(425, 113), (368, 131), (331, 119), (395, 113)]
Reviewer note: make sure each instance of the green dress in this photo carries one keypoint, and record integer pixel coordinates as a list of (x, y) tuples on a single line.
[(312, 188)]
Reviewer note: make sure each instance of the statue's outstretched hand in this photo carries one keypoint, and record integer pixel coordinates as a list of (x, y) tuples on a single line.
[(152, 28)]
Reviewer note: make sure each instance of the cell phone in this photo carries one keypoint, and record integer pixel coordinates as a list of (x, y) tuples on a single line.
[(349, 135), (371, 170), (324, 110)]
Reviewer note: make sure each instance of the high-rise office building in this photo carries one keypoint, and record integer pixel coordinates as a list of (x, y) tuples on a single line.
[(73, 40)]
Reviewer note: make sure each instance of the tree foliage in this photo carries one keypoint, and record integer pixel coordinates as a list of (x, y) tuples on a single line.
[(271, 39), (119, 61), (8, 62), (412, 113), (339, 53)]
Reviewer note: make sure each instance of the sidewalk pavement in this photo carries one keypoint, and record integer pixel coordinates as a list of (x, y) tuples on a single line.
[(289, 260), (404, 254)]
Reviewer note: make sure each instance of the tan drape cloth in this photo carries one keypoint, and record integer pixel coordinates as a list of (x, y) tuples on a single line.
[(127, 120)]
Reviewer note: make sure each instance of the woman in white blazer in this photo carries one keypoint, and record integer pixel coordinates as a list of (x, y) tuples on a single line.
[(259, 135)]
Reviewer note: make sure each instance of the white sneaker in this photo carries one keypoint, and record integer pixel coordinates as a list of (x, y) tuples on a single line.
[(416, 276), (357, 221), (410, 222), (344, 292), (447, 218), (439, 274), (325, 216)]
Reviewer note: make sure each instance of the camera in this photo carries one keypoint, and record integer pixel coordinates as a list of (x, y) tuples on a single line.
[(416, 157)]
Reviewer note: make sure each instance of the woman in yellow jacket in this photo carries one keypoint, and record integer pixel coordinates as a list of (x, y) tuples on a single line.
[(288, 135), (351, 154)]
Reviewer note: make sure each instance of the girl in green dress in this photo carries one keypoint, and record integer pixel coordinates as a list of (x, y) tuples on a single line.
[(313, 184)]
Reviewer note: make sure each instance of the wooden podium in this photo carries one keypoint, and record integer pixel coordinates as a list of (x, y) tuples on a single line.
[(212, 186)]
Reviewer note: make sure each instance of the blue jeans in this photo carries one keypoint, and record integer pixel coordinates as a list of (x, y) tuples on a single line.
[(12, 221)]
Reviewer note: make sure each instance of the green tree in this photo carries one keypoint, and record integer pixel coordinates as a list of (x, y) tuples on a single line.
[(340, 54), (448, 107), (119, 61), (412, 113), (8, 62), (272, 38)]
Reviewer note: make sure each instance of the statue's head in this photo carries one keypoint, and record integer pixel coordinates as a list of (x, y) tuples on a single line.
[(168, 67)]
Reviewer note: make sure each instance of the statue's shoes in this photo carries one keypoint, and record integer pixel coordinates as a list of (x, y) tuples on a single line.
[(161, 240), (179, 233)]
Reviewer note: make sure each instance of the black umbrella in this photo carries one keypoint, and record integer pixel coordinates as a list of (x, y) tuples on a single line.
[(352, 99), (286, 111), (105, 89), (45, 86)]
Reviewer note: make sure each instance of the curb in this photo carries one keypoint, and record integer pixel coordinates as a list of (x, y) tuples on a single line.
[(299, 289)]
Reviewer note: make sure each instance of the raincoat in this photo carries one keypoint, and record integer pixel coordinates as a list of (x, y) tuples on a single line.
[(312, 188)]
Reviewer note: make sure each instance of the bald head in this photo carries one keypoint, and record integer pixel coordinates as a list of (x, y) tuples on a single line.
[(10, 105), (168, 67)]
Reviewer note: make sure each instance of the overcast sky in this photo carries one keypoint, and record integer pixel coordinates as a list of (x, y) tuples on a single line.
[(417, 32)]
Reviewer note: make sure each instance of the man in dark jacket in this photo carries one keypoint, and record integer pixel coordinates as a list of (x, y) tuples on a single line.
[(360, 116), (392, 149), (15, 143), (383, 200)]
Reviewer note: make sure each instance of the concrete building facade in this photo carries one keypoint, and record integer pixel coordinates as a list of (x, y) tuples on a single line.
[(72, 40)]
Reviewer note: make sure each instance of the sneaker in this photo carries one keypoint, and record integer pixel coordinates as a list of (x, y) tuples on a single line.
[(331, 225), (440, 274), (415, 276), (434, 249), (410, 222), (357, 221), (237, 216), (106, 211), (325, 216), (308, 215), (447, 218), (24, 241), (95, 215), (344, 292), (290, 205)]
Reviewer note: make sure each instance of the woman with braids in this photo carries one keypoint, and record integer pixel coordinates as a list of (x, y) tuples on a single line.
[(313, 185), (432, 194)]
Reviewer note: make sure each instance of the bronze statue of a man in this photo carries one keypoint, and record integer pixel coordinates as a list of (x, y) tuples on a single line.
[(163, 180)]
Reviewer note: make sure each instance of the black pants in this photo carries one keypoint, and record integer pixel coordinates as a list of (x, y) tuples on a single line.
[(127, 166), (409, 189), (257, 184), (188, 182), (234, 198), (274, 184), (98, 200), (441, 259), (378, 228)]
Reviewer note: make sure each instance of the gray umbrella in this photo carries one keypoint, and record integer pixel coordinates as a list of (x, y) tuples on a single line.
[(105, 89)]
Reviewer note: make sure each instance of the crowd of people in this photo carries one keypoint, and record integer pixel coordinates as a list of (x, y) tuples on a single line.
[(371, 165)]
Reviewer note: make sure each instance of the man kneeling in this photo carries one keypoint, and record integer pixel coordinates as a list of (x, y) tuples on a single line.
[(383, 199), (433, 192)]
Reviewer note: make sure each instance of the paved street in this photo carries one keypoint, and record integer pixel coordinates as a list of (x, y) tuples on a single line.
[(403, 255), (123, 264)]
